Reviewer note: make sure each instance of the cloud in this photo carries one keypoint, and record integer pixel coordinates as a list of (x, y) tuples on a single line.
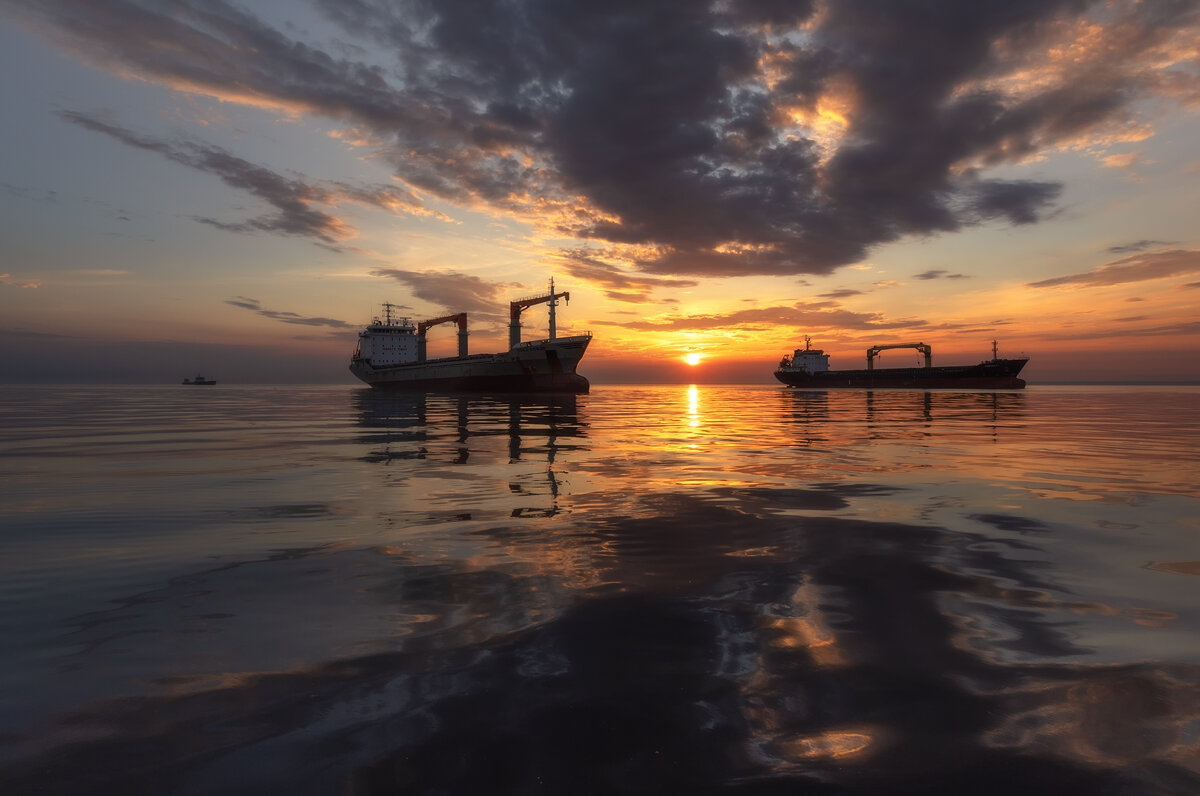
[(287, 317), (1180, 328), (294, 198), (1138, 246), (939, 274), (1137, 268), (813, 316), (7, 281), (25, 333), (841, 294), (454, 291), (621, 285), (698, 139), (21, 192)]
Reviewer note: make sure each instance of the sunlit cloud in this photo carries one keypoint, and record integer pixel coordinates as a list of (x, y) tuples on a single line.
[(1174, 329), (798, 315), (1137, 268), (1123, 160), (7, 281)]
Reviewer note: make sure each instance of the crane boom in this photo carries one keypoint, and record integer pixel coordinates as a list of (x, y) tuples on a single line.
[(515, 308), (875, 349), (460, 318)]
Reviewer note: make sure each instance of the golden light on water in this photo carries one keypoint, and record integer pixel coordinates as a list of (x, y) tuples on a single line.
[(693, 406)]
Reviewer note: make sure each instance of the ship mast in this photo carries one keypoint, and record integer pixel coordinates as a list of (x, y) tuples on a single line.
[(387, 313)]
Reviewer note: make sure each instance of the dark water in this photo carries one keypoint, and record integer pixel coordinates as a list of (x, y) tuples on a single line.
[(642, 590)]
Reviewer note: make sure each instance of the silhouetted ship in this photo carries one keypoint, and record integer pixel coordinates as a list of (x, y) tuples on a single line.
[(391, 354), (809, 367), (199, 380)]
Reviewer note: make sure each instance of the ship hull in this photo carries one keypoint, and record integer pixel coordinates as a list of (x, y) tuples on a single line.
[(998, 374), (542, 366)]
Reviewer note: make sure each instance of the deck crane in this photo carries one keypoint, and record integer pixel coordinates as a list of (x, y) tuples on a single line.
[(875, 349), (460, 318), (515, 308)]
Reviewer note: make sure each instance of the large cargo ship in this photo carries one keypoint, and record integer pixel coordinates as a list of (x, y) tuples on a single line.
[(809, 367), (391, 354)]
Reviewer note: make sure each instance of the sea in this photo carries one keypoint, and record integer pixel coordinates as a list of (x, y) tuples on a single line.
[(647, 589)]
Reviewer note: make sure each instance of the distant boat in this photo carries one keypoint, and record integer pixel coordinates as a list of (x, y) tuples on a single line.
[(809, 367), (199, 380)]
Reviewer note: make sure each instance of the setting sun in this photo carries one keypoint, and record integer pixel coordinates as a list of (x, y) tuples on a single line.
[(692, 358)]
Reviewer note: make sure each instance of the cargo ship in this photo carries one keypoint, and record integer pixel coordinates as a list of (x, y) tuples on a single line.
[(809, 367), (391, 354)]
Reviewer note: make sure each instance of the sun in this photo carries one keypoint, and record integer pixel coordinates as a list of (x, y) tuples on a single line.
[(693, 358)]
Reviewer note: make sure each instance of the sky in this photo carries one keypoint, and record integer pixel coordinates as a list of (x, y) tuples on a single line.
[(236, 187)]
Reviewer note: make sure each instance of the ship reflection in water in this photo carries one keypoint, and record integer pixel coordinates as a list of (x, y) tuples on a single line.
[(665, 590)]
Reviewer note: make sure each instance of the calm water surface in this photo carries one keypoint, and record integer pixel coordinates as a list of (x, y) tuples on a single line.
[(642, 590)]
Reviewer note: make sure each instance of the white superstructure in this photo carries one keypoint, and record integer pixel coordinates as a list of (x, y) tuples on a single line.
[(806, 360), (392, 341)]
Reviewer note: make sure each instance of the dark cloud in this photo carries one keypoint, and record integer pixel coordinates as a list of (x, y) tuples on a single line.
[(689, 133), (453, 291), (19, 334), (1138, 268), (287, 317), (841, 294), (1138, 246), (22, 192), (939, 274), (620, 285), (292, 197)]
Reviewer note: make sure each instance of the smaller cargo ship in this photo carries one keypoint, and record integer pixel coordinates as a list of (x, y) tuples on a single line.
[(199, 380), (809, 367), (391, 354)]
